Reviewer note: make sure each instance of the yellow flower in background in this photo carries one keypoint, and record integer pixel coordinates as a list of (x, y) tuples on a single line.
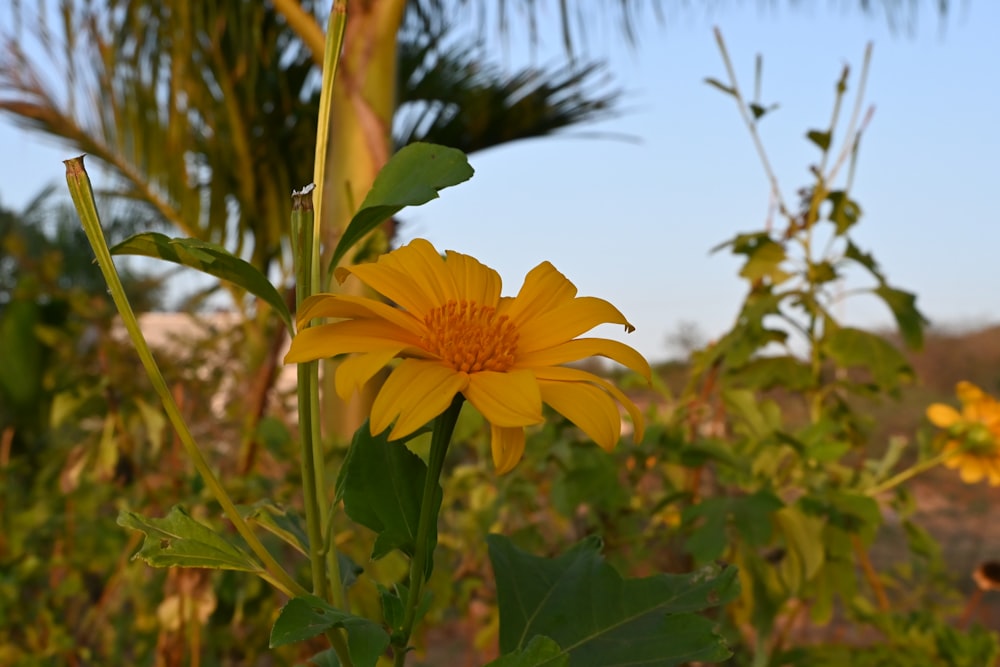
[(973, 433), (456, 334)]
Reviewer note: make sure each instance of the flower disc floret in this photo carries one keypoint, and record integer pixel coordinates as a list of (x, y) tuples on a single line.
[(456, 334), (471, 338)]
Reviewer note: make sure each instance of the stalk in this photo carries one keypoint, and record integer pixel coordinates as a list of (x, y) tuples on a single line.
[(83, 199)]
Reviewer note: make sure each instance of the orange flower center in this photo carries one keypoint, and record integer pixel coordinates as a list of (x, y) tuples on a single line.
[(470, 337)]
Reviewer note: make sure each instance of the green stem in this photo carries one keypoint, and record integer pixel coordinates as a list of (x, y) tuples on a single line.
[(444, 427), (83, 199), (909, 473), (302, 222)]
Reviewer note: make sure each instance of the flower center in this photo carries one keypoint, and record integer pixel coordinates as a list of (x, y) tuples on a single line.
[(470, 337)]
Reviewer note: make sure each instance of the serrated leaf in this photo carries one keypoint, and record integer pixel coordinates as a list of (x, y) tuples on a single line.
[(411, 177), (381, 484), (904, 309), (844, 213), (864, 259), (177, 540), (821, 139), (850, 347), (715, 83), (208, 258), (307, 616), (597, 617), (540, 652)]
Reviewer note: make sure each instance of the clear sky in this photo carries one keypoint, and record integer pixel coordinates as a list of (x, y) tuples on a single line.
[(633, 222)]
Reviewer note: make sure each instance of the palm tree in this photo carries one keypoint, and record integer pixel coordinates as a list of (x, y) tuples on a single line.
[(205, 113)]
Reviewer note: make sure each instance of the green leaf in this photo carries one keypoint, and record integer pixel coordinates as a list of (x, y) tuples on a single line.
[(821, 139), (766, 373), (177, 540), (208, 258), (803, 536), (411, 177), (21, 369), (864, 259), (540, 652), (283, 522), (904, 308), (327, 658), (381, 483), (709, 537), (845, 211), (759, 110), (597, 617), (715, 83), (307, 616), (764, 259), (752, 516), (850, 347)]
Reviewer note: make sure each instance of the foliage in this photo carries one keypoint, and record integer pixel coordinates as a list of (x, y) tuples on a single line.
[(764, 460)]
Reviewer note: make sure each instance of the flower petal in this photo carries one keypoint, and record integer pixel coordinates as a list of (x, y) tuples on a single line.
[(942, 415), (590, 408), (346, 306), (543, 289), (329, 340), (414, 394), (508, 447), (506, 399), (474, 281), (582, 348), (353, 372), (566, 322), (563, 374), (970, 471), (414, 276)]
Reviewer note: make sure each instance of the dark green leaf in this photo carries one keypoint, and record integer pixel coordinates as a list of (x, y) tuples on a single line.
[(844, 213), (540, 652), (715, 83), (709, 535), (20, 371), (381, 483), (327, 658), (864, 259), (413, 176), (600, 619), (178, 540), (284, 522), (208, 258), (752, 516), (821, 139), (850, 347), (307, 616), (392, 607), (904, 308)]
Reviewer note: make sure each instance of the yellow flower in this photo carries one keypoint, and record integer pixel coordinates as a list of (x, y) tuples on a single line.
[(973, 434), (456, 334)]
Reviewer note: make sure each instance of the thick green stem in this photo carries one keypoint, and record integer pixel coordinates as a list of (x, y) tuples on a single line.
[(302, 223), (83, 198), (444, 426)]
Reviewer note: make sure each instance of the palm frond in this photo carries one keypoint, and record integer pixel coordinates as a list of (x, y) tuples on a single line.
[(450, 94)]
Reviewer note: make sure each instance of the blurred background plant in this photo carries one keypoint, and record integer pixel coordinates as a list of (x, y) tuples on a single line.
[(763, 452)]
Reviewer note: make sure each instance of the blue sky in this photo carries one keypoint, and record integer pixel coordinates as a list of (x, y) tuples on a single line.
[(633, 222)]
